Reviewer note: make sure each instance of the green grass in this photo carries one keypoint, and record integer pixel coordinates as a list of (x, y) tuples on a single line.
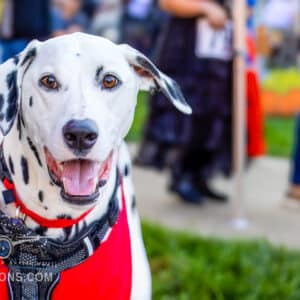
[(279, 134), (186, 267), (140, 116)]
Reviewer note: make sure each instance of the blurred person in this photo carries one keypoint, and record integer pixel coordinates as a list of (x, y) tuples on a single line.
[(279, 16), (22, 21), (89, 7), (107, 20), (294, 188), (67, 17), (142, 23), (196, 50)]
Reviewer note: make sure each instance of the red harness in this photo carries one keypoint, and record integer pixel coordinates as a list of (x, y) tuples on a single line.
[(107, 274), (48, 223)]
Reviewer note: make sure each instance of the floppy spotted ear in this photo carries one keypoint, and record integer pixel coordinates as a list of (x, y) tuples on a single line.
[(11, 75), (152, 78)]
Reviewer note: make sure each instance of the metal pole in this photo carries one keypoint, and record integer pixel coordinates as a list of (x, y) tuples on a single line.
[(239, 107)]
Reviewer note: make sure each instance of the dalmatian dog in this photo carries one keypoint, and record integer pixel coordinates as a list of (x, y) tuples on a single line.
[(66, 105)]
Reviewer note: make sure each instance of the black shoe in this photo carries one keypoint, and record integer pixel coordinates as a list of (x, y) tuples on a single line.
[(186, 191), (206, 191)]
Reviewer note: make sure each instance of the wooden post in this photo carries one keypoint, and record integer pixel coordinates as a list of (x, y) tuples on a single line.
[(239, 108)]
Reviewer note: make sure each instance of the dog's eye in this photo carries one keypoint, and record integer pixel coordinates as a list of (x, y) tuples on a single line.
[(110, 81), (50, 82)]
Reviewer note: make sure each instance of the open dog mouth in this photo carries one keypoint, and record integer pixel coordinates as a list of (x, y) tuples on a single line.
[(79, 179)]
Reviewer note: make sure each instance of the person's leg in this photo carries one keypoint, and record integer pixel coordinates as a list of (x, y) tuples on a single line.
[(182, 179), (294, 190), (210, 156), (184, 170)]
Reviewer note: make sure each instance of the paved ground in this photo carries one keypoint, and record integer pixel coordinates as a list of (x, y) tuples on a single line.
[(265, 187)]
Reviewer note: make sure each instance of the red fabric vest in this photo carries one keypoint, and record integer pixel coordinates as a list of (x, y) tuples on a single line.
[(107, 274)]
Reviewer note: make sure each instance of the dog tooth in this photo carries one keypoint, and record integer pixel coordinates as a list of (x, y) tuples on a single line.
[(95, 182)]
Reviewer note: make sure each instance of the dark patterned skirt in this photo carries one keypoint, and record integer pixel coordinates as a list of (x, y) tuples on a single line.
[(199, 144)]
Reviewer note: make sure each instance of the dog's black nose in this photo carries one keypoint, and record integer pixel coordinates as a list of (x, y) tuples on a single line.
[(80, 135)]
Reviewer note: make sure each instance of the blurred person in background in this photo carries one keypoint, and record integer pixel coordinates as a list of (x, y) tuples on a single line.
[(107, 19), (22, 21), (67, 17), (294, 188), (142, 22), (195, 50), (279, 17), (89, 7)]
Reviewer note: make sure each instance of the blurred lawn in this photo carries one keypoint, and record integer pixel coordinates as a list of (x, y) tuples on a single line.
[(141, 112), (278, 131), (279, 134), (186, 267)]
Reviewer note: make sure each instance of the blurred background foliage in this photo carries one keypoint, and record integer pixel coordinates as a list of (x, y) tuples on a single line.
[(282, 80)]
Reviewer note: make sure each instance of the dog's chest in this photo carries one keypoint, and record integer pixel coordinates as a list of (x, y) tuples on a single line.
[(106, 274)]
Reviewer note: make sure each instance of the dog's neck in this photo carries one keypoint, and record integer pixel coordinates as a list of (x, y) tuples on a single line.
[(28, 170)]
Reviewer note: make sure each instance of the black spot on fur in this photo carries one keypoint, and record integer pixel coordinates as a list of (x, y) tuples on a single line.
[(16, 59), (29, 56), (46, 207), (11, 165), (41, 196), (67, 230), (19, 127), (1, 101), (126, 170), (98, 72), (11, 79), (22, 118), (76, 229), (12, 97), (34, 150), (30, 101), (146, 64), (25, 171), (63, 216), (133, 202), (41, 230), (51, 183), (84, 225)]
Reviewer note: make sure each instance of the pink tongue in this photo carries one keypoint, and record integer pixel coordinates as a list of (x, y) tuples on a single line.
[(79, 176)]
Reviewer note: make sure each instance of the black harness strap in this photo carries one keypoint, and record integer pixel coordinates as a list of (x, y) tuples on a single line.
[(35, 262)]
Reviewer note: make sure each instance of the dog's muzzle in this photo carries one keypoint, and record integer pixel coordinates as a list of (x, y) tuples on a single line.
[(79, 179), (80, 136)]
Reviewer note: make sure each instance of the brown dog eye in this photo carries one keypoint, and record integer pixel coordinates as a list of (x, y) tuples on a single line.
[(110, 81), (50, 82)]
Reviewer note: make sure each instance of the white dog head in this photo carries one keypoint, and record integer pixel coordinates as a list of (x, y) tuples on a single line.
[(73, 99)]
